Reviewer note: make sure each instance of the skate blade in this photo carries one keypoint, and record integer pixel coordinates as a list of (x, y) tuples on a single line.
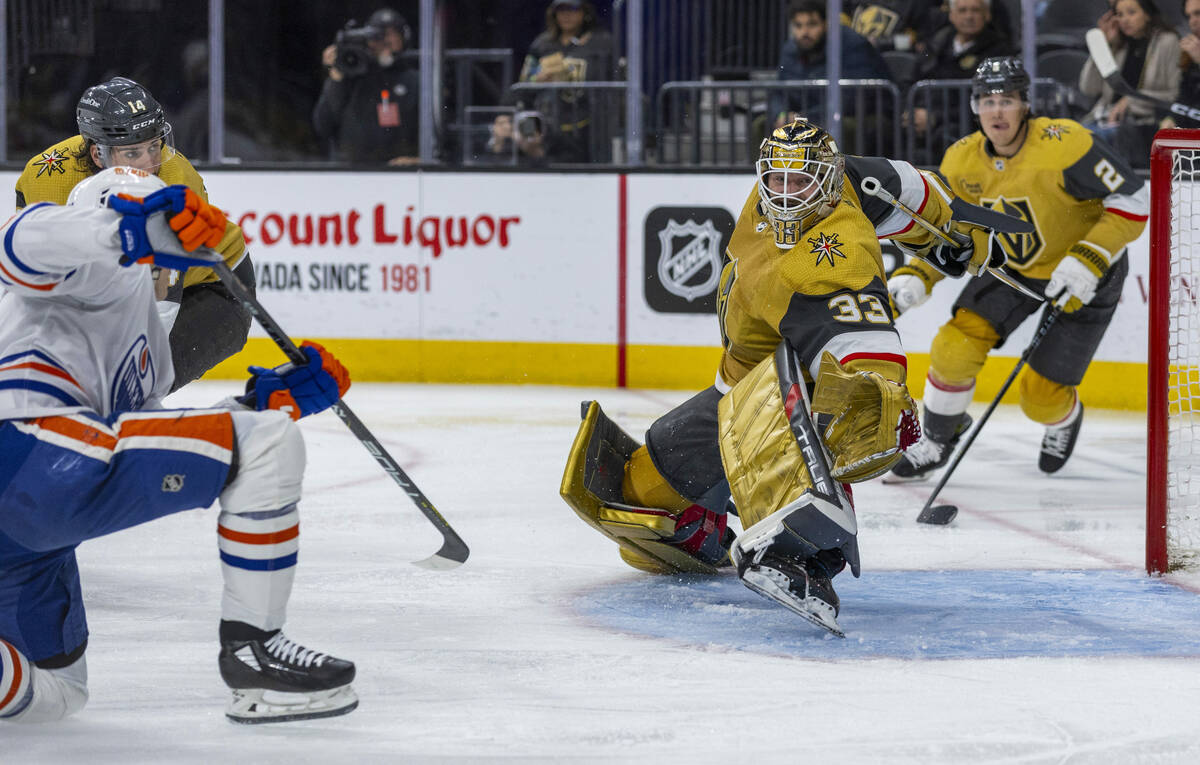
[(253, 706), (812, 610), (893, 479)]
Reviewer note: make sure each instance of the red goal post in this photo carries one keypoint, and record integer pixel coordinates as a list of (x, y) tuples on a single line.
[(1173, 411)]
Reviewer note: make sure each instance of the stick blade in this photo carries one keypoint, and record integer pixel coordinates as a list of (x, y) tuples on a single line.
[(1101, 54), (938, 515), (453, 554)]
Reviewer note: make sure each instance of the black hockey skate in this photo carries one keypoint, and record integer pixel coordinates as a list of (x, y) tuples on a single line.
[(803, 587), (1058, 443), (276, 680), (927, 455)]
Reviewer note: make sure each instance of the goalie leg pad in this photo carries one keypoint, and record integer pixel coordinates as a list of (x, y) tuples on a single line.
[(651, 539)]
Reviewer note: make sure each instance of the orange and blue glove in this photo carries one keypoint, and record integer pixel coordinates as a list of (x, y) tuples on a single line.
[(299, 390), (164, 227)]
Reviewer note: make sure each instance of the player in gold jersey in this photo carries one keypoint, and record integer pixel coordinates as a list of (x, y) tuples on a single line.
[(1086, 204), (120, 123), (803, 307)]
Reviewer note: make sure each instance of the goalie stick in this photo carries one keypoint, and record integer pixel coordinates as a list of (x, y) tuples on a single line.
[(453, 551), (1106, 65), (940, 515)]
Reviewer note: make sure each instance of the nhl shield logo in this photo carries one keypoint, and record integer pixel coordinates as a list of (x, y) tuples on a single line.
[(689, 269), (683, 249), (172, 483)]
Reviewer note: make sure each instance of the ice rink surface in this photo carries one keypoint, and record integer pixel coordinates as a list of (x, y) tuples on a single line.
[(1023, 633)]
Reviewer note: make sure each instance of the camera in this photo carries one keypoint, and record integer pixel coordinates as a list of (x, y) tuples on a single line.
[(352, 54), (529, 124)]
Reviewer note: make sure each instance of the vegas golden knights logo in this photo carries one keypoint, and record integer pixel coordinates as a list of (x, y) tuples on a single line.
[(1021, 248), (875, 21)]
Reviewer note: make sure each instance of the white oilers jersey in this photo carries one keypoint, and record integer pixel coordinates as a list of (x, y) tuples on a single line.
[(78, 331)]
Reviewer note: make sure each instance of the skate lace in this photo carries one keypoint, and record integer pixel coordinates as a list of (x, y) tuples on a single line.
[(293, 653), (1056, 440), (924, 452)]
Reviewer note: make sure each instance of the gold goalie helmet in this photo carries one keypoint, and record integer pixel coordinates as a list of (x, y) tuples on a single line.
[(800, 172)]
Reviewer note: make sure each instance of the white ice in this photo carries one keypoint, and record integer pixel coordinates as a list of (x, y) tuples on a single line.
[(1023, 633)]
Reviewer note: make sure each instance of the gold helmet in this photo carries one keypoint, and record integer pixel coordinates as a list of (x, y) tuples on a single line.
[(800, 173)]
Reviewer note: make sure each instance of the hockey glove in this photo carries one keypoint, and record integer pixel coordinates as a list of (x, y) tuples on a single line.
[(1073, 283), (908, 288), (299, 390), (873, 420), (974, 253), (164, 227)]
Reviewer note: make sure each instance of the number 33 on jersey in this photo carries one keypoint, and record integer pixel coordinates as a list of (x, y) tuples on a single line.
[(826, 293)]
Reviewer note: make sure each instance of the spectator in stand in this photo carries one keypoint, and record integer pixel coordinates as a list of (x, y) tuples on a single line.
[(1189, 57), (368, 108), (953, 53), (1147, 52), (524, 146), (572, 49), (803, 58), (961, 45), (890, 24)]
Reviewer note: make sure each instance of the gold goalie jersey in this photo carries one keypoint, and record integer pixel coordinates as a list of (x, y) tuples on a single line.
[(50, 176), (828, 292), (1073, 189)]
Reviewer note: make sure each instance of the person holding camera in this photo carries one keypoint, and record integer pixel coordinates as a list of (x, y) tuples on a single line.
[(517, 139), (368, 108)]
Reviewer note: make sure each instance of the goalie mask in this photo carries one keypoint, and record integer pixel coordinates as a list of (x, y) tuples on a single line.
[(800, 175), (95, 191)]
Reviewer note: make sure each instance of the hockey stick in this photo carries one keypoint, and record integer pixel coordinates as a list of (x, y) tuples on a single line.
[(873, 187), (1106, 65), (454, 551), (940, 515)]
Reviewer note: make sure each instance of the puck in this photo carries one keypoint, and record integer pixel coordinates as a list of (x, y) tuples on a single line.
[(938, 515)]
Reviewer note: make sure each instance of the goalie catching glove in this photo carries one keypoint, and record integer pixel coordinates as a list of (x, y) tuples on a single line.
[(164, 227), (1074, 281), (299, 390), (873, 420)]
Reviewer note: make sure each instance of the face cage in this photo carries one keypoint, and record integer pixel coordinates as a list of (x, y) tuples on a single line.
[(817, 182), (140, 154)]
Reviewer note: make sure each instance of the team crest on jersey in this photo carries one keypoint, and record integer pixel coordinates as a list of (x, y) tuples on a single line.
[(825, 247), (875, 21), (1054, 131), (51, 162), (1021, 248), (134, 379), (691, 268)]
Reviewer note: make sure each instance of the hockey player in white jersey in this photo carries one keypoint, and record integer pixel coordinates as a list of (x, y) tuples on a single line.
[(86, 451)]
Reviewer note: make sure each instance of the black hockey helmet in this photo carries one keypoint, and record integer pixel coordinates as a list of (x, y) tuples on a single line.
[(1000, 74), (118, 113)]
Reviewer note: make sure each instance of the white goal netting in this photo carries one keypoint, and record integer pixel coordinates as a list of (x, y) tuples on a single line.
[(1182, 427)]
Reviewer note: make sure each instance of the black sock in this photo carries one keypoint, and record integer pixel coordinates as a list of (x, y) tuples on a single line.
[(241, 632)]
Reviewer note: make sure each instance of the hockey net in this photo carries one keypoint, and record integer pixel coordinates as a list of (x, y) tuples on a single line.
[(1173, 448)]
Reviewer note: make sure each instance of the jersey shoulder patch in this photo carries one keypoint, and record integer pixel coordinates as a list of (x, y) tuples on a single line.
[(50, 174)]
